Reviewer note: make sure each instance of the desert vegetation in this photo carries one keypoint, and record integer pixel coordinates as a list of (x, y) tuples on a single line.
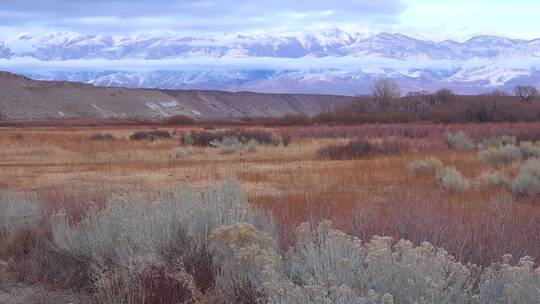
[(412, 212)]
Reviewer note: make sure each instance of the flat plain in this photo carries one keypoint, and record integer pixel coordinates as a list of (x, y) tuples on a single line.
[(475, 218)]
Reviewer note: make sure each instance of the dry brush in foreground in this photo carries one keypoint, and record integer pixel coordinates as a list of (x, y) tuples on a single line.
[(210, 246)]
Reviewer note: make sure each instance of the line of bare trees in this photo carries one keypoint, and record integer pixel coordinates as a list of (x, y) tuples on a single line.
[(446, 106)]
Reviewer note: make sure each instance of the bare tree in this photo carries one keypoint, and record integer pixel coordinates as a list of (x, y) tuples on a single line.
[(497, 93), (443, 96), (384, 91), (483, 108), (417, 103), (525, 93)]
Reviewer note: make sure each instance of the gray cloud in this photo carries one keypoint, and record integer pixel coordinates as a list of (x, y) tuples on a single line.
[(109, 16), (346, 63)]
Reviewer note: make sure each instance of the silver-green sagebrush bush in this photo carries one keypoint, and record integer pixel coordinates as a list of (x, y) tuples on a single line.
[(446, 177), (493, 179), (181, 152), (129, 244), (505, 154), (19, 212), (529, 149), (490, 156), (510, 153), (276, 139), (241, 255), (527, 182), (328, 266), (452, 180), (497, 142), (458, 141), (131, 234), (229, 145), (428, 165)]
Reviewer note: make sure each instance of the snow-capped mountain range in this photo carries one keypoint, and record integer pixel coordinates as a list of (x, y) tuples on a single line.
[(332, 61)]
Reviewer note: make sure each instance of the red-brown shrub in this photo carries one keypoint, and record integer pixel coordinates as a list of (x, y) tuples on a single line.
[(102, 137), (360, 148), (179, 120), (73, 203), (150, 135), (472, 232), (148, 284), (363, 118), (295, 120), (18, 244), (204, 138)]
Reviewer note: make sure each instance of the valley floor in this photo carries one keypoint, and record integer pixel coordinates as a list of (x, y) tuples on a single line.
[(376, 194)]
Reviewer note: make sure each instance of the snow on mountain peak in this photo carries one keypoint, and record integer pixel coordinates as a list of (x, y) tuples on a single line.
[(420, 60)]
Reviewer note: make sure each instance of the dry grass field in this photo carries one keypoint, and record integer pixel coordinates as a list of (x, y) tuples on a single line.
[(363, 195)]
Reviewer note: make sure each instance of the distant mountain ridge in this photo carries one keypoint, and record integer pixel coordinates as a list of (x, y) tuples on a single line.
[(330, 62), (69, 46)]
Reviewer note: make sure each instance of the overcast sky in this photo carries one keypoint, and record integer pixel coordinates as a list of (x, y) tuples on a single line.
[(449, 18)]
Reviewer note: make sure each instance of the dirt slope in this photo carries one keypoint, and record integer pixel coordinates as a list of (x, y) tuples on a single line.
[(23, 98)]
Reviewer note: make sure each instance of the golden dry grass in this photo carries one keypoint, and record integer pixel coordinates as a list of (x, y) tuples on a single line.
[(292, 182), (65, 158)]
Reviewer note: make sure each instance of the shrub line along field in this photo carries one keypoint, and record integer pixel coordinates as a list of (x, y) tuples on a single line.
[(120, 214)]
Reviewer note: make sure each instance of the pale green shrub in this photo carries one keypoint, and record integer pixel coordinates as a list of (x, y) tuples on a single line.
[(181, 152), (187, 138), (493, 179), (505, 154), (251, 146), (276, 139), (451, 180), (328, 266), (492, 142), (508, 140), (448, 178), (458, 141), (129, 231), (510, 153), (416, 273), (241, 255), (491, 156), (503, 283), (325, 257), (527, 181), (129, 241), (229, 145), (428, 165), (19, 212), (221, 204), (529, 149), (497, 142)]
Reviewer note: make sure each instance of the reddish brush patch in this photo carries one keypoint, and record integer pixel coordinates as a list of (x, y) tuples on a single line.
[(102, 137), (73, 203), (178, 120), (352, 118), (199, 265), (47, 265), (150, 135), (205, 138), (360, 148), (18, 244), (472, 232), (149, 285)]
